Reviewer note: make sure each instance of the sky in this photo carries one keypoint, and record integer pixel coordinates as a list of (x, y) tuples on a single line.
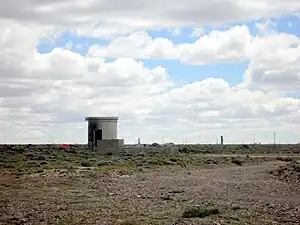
[(185, 72)]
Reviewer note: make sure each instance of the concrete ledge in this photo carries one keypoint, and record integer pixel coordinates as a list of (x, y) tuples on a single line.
[(111, 118)]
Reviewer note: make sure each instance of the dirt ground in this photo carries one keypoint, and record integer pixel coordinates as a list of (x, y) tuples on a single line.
[(246, 194)]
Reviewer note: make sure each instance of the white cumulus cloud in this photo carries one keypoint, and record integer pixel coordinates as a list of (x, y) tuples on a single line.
[(47, 95)]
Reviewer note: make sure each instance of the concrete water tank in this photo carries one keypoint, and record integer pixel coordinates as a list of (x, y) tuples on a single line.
[(101, 128)]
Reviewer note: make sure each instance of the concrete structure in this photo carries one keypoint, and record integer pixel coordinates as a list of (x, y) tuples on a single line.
[(149, 149), (101, 128), (110, 146)]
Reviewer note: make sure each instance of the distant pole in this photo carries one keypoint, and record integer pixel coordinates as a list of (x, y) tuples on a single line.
[(274, 138), (49, 142), (222, 140)]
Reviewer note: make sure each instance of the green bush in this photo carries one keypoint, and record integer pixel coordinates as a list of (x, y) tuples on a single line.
[(7, 165), (200, 212)]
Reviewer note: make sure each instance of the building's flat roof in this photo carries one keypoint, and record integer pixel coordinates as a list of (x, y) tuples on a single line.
[(101, 118)]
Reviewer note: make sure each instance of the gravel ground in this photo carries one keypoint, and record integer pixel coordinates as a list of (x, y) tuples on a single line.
[(243, 194)]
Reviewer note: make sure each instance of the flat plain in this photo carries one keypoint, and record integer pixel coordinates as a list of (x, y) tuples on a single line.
[(205, 184)]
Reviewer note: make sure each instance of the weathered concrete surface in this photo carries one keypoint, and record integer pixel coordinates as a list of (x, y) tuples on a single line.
[(110, 146), (145, 150)]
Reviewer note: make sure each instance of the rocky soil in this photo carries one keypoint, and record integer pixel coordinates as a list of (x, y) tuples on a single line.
[(246, 194), (288, 173), (200, 185)]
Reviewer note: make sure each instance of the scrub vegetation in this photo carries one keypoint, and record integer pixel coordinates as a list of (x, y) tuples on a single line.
[(200, 184)]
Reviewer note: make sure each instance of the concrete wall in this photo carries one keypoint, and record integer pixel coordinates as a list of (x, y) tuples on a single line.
[(145, 150), (109, 129), (117, 146), (110, 146)]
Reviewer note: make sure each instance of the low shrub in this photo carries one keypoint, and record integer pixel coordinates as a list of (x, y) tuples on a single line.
[(160, 162), (246, 146), (285, 159), (155, 145), (104, 163), (86, 164), (187, 149), (237, 161), (200, 212), (40, 157), (71, 151), (7, 165), (236, 208)]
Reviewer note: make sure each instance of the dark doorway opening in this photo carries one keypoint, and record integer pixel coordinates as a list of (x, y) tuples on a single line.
[(98, 136)]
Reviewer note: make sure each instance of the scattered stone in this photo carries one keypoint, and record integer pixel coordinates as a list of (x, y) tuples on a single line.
[(211, 161), (125, 176), (176, 191), (125, 222), (166, 198), (289, 173)]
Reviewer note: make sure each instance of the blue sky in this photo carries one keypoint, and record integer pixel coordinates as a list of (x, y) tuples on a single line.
[(233, 73), (266, 70), (181, 73)]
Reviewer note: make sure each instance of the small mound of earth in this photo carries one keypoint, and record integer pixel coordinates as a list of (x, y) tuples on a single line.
[(288, 173)]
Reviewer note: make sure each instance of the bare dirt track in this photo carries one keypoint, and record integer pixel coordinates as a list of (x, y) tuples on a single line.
[(243, 194)]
